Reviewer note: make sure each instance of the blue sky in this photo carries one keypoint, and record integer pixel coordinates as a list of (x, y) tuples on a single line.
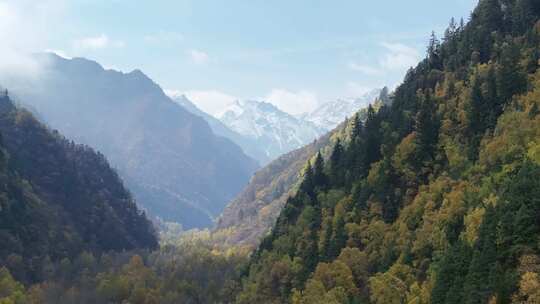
[(296, 54)]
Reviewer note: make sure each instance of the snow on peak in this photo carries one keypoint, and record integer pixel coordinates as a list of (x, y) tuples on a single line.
[(332, 113), (278, 132)]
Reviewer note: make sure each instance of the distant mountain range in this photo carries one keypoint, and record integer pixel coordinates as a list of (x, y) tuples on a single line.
[(170, 159), (275, 131), (248, 144), (330, 114), (265, 132), (254, 211)]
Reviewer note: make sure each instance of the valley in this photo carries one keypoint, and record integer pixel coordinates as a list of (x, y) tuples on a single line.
[(252, 176)]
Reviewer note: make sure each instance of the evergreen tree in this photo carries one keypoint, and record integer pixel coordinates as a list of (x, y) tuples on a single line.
[(522, 16), (490, 18), (433, 52), (511, 79), (337, 174), (357, 127), (325, 252), (320, 179), (339, 237), (308, 183), (427, 128), (372, 143)]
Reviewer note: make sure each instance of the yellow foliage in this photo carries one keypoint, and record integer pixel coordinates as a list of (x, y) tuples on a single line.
[(336, 274), (392, 286), (516, 134), (472, 224), (529, 289), (403, 159), (534, 152)]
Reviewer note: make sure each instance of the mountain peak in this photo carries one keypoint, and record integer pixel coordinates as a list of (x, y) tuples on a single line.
[(332, 113), (277, 131)]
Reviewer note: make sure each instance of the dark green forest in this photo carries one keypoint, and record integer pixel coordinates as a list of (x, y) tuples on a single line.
[(432, 198)]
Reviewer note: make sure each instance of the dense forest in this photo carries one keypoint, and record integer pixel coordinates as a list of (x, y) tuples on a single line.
[(58, 199), (435, 199), (432, 198), (253, 213), (71, 233)]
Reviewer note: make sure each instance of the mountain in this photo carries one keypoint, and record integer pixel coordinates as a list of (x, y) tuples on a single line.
[(330, 114), (252, 214), (58, 199), (275, 131), (254, 211), (248, 144), (177, 169), (435, 199)]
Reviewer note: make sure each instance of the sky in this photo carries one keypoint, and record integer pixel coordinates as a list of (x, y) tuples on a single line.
[(295, 54)]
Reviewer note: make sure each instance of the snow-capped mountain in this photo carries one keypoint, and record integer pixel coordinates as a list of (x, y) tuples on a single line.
[(330, 114), (248, 144), (275, 131)]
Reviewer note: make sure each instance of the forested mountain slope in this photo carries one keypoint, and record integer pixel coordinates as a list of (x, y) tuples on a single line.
[(169, 158), (252, 214), (58, 199), (436, 198), (254, 211)]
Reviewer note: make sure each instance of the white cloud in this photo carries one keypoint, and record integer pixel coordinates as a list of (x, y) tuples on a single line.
[(25, 28), (97, 42), (199, 57), (211, 102), (399, 56), (293, 102)]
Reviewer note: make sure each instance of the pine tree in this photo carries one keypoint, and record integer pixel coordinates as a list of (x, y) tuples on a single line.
[(373, 140), (522, 16), (320, 179), (511, 79), (337, 174), (490, 16), (339, 237), (357, 127), (433, 52), (308, 185), (327, 240), (532, 63), (475, 109), (427, 128)]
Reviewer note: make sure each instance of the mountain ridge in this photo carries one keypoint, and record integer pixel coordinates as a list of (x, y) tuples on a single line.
[(435, 198), (276, 131), (249, 145), (168, 157), (59, 198)]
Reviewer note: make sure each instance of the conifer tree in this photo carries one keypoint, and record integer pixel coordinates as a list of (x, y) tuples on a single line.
[(372, 142), (427, 127), (319, 176), (510, 77), (337, 174), (357, 127), (339, 237)]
